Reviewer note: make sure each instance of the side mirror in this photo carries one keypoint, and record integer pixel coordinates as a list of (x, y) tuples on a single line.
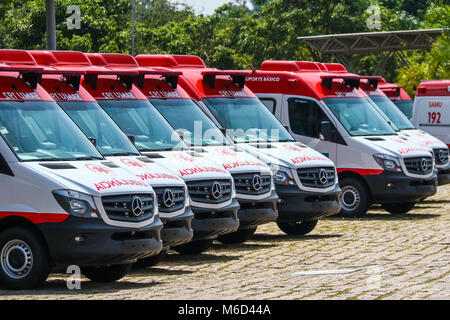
[(286, 127), (326, 131), (93, 141), (180, 133), (131, 138)]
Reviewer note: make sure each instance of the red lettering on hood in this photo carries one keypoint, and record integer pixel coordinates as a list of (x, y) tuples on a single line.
[(293, 147), (184, 157), (191, 171), (397, 140), (226, 152), (115, 183), (151, 176), (308, 158), (408, 150), (98, 168), (237, 164), (134, 163)]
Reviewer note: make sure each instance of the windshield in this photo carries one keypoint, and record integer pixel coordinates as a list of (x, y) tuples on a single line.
[(95, 123), (139, 119), (405, 106), (41, 131), (359, 117), (249, 118), (392, 112), (185, 115)]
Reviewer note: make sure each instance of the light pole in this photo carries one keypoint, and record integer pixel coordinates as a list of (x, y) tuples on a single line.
[(133, 18), (51, 24)]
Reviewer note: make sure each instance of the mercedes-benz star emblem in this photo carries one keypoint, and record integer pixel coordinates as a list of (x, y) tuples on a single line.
[(441, 156), (216, 190), (424, 165), (168, 198), (137, 206), (323, 176), (257, 183)]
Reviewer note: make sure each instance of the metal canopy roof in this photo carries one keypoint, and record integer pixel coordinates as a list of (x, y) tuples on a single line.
[(373, 42)]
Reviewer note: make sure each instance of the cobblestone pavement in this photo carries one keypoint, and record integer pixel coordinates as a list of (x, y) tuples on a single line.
[(378, 257)]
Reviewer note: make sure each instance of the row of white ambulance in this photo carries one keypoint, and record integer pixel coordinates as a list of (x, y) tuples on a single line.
[(108, 160)]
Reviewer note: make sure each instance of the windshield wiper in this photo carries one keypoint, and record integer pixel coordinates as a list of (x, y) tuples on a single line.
[(86, 158), (119, 154)]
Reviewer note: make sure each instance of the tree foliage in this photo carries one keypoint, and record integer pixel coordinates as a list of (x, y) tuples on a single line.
[(233, 36)]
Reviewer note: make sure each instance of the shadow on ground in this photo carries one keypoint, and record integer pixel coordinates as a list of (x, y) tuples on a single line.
[(265, 237), (198, 259), (383, 216), (59, 286), (241, 246)]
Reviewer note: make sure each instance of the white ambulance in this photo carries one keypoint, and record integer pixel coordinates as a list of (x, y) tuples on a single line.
[(431, 111), (305, 180), (406, 129), (57, 190), (171, 191), (211, 189), (326, 111)]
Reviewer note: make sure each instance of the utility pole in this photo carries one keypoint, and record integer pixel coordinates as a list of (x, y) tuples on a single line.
[(133, 18), (51, 24)]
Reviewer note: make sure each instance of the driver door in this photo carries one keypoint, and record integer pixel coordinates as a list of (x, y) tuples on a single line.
[(309, 124)]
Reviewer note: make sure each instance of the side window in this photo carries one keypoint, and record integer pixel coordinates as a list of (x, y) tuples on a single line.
[(305, 117), (270, 104)]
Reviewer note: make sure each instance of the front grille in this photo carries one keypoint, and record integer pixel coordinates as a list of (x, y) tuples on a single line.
[(252, 184), (202, 191), (419, 165), (170, 199), (120, 207), (317, 177), (441, 156)]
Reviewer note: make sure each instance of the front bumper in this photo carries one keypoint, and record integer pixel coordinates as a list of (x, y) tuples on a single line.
[(177, 230), (391, 187), (253, 213), (103, 244), (298, 205), (211, 223), (443, 176)]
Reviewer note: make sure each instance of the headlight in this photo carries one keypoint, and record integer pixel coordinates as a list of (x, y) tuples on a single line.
[(283, 177), (76, 203), (388, 163)]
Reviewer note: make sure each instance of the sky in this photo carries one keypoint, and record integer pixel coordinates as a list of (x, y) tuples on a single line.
[(205, 6)]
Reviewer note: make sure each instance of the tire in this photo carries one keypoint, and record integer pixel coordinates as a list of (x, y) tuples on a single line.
[(298, 228), (354, 198), (194, 247), (239, 236), (105, 274), (151, 261), (24, 259), (398, 208)]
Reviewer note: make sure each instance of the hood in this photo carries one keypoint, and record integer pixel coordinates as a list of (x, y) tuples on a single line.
[(423, 139), (288, 154), (396, 146), (148, 171), (97, 178), (189, 165), (234, 160)]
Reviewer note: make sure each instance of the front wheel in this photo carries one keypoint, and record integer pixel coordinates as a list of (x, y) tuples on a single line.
[(298, 228), (24, 259), (398, 208), (194, 247), (105, 274), (354, 198), (239, 236)]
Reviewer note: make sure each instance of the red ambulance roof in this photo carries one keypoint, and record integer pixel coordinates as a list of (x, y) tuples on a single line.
[(65, 63), (434, 88), (201, 82), (393, 91), (304, 78), (27, 87)]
